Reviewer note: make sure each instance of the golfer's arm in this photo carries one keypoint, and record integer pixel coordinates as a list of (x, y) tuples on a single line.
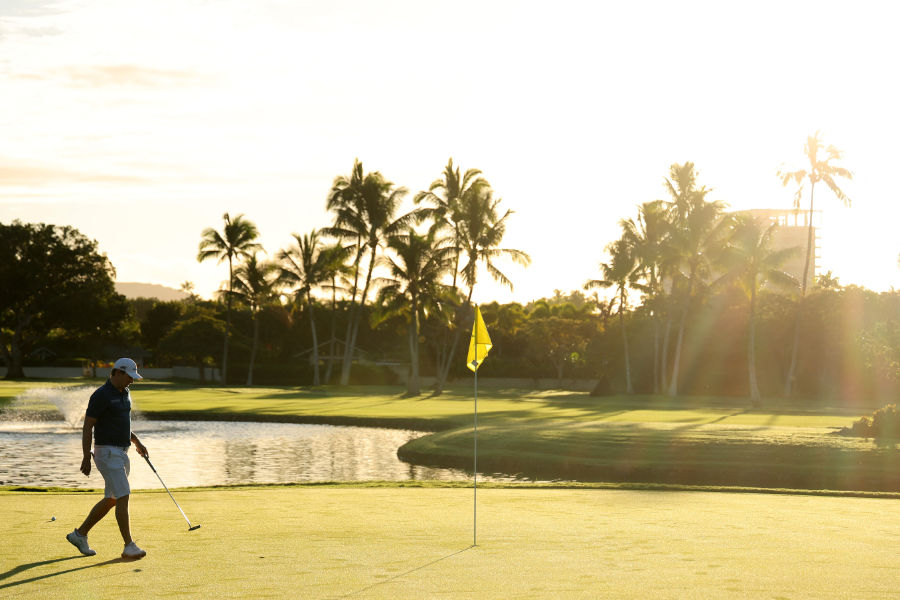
[(89, 423), (142, 450)]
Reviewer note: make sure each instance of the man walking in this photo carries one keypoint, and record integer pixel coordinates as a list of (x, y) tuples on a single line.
[(108, 415)]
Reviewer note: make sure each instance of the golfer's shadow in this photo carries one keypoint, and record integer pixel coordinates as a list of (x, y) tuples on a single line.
[(25, 567), (419, 568)]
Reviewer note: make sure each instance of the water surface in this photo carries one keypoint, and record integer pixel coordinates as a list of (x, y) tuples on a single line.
[(200, 453)]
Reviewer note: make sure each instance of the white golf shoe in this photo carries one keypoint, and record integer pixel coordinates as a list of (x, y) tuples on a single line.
[(132, 551), (80, 542)]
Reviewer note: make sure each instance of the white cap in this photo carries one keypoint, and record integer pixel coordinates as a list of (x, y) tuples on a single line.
[(129, 366)]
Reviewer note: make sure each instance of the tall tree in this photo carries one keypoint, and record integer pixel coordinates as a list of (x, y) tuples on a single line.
[(444, 205), (53, 277), (753, 263), (697, 234), (443, 202), (413, 289), (365, 205), (481, 231), (620, 272), (256, 285), (819, 170), (195, 339), (304, 266), (337, 272), (559, 340), (646, 239), (235, 242)]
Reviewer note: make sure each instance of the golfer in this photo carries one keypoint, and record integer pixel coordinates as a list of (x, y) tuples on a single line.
[(108, 415)]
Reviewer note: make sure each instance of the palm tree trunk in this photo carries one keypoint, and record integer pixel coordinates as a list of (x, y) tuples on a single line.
[(330, 363), (315, 337), (444, 367), (664, 360), (628, 388), (789, 382), (673, 384), (461, 320), (655, 353), (227, 322), (348, 347), (253, 348), (348, 353), (751, 349), (412, 386)]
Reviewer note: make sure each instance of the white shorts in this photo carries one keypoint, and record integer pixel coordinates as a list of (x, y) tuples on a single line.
[(113, 464)]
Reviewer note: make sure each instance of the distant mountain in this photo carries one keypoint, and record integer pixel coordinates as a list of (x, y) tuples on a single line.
[(149, 290)]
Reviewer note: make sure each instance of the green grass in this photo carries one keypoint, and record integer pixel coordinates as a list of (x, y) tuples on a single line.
[(409, 542), (548, 435), (414, 540)]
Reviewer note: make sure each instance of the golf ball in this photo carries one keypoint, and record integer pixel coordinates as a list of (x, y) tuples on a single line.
[(52, 518)]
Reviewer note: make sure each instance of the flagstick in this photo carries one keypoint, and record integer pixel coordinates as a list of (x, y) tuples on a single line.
[(475, 458)]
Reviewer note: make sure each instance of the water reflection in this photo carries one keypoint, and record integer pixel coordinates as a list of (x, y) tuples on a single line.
[(198, 453)]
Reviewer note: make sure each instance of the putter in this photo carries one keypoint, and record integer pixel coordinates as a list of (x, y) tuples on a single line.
[(190, 527)]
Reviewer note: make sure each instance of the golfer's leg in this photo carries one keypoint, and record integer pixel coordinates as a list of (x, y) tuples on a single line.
[(122, 519), (98, 512)]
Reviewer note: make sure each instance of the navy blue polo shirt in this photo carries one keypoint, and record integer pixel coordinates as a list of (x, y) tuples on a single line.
[(112, 409)]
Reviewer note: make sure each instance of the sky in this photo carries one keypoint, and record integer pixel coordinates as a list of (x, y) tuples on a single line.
[(141, 122)]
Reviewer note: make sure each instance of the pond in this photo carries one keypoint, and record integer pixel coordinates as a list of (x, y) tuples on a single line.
[(199, 453), (40, 445)]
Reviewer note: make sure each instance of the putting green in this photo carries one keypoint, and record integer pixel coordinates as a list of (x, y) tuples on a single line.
[(335, 542)]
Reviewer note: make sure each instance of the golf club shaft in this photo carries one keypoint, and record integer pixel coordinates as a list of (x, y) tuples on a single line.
[(147, 458)]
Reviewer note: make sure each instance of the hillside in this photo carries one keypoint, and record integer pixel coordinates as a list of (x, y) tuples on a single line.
[(133, 290)]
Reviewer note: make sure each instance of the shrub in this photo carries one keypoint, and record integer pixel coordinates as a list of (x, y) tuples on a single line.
[(884, 423)]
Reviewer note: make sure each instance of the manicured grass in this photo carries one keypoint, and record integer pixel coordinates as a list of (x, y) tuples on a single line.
[(397, 543), (550, 435)]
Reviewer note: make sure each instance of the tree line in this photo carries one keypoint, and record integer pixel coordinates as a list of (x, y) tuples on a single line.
[(700, 303)]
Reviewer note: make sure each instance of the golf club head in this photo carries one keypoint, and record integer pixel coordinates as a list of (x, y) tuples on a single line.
[(193, 528)]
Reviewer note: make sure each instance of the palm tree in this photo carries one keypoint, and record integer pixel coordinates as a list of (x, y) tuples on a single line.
[(696, 235), (235, 242), (646, 238), (337, 271), (364, 207), (752, 264), (819, 170), (621, 271), (481, 232), (255, 284), (445, 197), (414, 288), (306, 265)]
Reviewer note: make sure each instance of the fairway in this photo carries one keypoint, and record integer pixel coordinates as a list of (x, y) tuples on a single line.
[(406, 542)]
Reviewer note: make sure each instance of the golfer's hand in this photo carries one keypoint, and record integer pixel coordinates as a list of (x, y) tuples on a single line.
[(86, 465), (141, 449)]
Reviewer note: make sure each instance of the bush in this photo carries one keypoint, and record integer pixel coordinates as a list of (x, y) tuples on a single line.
[(884, 423)]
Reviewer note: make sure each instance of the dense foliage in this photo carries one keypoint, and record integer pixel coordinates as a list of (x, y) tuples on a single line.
[(55, 286), (698, 302)]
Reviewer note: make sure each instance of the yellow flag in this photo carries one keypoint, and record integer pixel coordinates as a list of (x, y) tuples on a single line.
[(480, 344)]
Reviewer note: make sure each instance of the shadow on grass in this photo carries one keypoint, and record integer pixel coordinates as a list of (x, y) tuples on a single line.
[(411, 571), (27, 566)]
